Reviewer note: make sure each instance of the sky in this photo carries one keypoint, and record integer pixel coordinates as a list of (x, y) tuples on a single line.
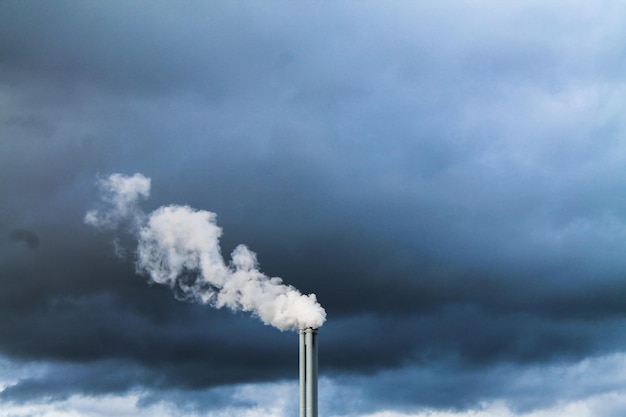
[(448, 178)]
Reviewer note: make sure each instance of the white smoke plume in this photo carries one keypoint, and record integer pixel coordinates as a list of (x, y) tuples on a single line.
[(119, 195), (178, 246)]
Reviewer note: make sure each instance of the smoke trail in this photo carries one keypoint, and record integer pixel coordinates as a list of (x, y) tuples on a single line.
[(119, 195), (178, 246)]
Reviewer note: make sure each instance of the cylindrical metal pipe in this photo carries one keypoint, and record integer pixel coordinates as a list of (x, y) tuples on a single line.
[(311, 372), (302, 373)]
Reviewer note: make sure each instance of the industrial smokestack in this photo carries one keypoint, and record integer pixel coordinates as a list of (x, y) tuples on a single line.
[(308, 372), (179, 246)]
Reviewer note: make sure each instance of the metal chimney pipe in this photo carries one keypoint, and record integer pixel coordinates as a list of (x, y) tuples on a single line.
[(302, 373), (308, 372), (311, 374)]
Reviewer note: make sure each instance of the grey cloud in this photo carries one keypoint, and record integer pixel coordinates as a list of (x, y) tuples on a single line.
[(29, 237), (445, 179)]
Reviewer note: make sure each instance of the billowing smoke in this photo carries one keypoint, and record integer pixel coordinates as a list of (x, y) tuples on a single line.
[(119, 195), (178, 246)]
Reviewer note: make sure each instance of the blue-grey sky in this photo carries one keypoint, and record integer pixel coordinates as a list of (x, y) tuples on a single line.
[(449, 178)]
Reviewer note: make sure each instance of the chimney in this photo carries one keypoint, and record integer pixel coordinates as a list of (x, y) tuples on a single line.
[(308, 372)]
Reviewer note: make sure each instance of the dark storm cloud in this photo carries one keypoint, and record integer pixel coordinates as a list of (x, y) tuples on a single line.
[(533, 387), (29, 237), (445, 179), (52, 311), (143, 48)]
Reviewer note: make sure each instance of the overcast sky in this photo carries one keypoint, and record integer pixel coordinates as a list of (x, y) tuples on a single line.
[(449, 179)]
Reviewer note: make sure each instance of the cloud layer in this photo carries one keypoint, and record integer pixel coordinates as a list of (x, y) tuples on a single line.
[(446, 178)]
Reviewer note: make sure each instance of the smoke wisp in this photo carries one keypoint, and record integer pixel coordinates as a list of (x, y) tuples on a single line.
[(179, 246)]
